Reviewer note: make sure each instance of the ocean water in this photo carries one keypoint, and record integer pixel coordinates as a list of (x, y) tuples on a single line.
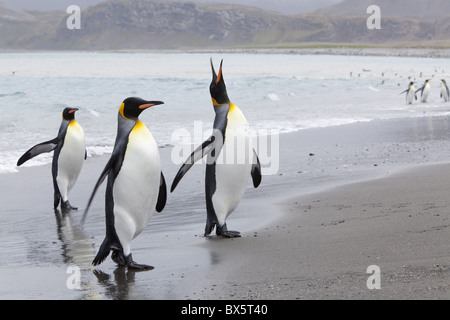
[(277, 93)]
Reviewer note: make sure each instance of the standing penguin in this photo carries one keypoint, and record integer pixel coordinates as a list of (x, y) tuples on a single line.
[(230, 162), (425, 91), (410, 93), (135, 186), (445, 93), (69, 154)]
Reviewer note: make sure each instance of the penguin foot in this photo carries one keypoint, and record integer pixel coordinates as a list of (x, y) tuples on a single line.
[(224, 232), (65, 205), (231, 234), (135, 266)]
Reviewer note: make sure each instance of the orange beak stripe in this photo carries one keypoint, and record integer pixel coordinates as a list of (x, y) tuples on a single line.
[(220, 75), (145, 106)]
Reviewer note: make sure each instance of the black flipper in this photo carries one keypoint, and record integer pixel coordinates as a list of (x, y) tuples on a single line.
[(103, 252), (210, 189), (162, 196), (405, 91), (256, 170), (109, 166), (421, 91), (198, 154), (43, 147)]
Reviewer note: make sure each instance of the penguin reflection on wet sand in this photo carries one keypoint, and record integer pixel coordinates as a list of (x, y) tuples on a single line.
[(69, 154), (445, 92), (226, 176), (135, 186), (410, 93), (424, 91)]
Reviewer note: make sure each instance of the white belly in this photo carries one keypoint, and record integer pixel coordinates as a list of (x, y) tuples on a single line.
[(71, 158), (426, 93), (136, 187), (233, 166), (410, 97), (444, 93)]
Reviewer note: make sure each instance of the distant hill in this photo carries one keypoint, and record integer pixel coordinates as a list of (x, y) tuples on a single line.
[(283, 6), (398, 8), (11, 15), (175, 24)]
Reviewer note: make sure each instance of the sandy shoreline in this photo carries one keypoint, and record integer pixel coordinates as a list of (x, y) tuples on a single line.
[(322, 248), (344, 198)]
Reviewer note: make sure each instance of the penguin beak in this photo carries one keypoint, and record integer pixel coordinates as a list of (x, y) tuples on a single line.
[(149, 104), (220, 73), (213, 71), (73, 110), (216, 78)]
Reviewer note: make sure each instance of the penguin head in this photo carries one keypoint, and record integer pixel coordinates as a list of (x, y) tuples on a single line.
[(131, 108), (217, 88), (69, 113)]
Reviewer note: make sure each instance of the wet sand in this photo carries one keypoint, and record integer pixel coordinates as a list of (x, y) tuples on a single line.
[(324, 245), (343, 199)]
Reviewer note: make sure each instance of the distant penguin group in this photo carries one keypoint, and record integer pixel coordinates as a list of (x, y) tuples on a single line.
[(425, 89), (136, 186)]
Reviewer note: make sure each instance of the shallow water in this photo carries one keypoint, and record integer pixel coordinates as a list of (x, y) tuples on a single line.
[(283, 92)]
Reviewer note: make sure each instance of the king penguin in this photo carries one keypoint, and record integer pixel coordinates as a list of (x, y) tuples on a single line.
[(135, 186), (445, 92), (231, 160), (410, 93), (69, 154), (424, 91)]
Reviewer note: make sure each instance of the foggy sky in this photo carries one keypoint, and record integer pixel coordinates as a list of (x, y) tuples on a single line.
[(284, 6)]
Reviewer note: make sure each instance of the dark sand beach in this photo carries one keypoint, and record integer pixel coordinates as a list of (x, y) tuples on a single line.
[(344, 198)]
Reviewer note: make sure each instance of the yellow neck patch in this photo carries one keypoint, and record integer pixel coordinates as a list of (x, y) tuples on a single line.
[(138, 125), (215, 103)]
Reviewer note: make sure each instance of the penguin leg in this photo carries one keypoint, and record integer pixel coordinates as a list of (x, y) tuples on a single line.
[(224, 232), (209, 227), (135, 266)]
